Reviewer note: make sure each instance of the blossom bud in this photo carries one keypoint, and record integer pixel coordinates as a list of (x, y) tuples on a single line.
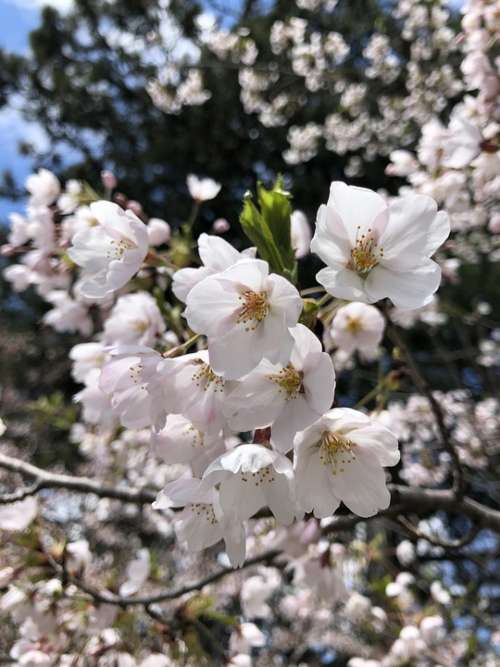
[(108, 179), (158, 231), (221, 226), (136, 208)]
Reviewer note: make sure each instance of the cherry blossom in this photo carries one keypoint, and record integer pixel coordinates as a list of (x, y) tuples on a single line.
[(44, 188), (245, 312), (251, 477), (134, 320), (216, 255), (159, 231), (341, 458), (133, 381), (288, 397), (201, 523), (110, 252), (357, 326), (202, 189), (374, 250), (181, 442)]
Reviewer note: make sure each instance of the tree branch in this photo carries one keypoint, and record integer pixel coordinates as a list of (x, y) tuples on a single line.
[(404, 498), (424, 387)]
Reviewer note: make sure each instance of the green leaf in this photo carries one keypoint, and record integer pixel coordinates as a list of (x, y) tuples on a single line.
[(267, 225)]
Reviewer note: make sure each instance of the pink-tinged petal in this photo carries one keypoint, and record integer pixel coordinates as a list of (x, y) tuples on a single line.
[(409, 289), (358, 208), (342, 283)]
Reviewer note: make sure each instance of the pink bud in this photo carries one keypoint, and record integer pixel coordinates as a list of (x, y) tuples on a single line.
[(220, 226), (108, 179), (135, 207)]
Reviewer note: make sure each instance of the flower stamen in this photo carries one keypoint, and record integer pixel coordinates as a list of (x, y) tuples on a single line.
[(365, 255), (289, 380), (205, 376), (335, 451), (254, 308)]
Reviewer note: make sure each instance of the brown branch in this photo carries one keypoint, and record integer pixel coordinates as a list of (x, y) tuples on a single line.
[(106, 597), (48, 480), (424, 387), (404, 498)]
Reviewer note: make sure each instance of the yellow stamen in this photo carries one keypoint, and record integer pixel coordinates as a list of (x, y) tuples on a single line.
[(289, 380), (254, 308), (354, 325), (204, 377), (336, 451), (365, 255)]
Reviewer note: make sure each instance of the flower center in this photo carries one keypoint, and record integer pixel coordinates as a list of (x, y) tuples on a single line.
[(118, 248), (262, 476), (354, 325), (205, 377), (204, 511), (335, 451), (365, 255), (254, 308), (289, 381)]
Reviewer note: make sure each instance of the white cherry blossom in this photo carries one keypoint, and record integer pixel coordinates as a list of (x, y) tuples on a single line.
[(44, 187), (202, 189), (216, 255), (159, 231), (86, 357), (357, 326), (201, 524), (110, 252), (341, 458), (251, 477), (245, 312), (181, 442), (134, 381), (374, 250), (199, 392), (287, 397), (135, 319), (67, 314)]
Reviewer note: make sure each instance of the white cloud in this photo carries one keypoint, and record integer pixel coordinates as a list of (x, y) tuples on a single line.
[(35, 5)]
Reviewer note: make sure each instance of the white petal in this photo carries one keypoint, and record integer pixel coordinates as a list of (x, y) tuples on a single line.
[(358, 208), (342, 283), (410, 289)]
